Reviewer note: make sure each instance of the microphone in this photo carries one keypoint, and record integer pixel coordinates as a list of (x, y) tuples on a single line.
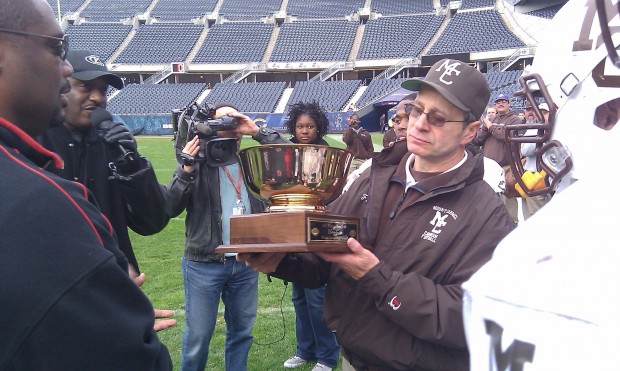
[(98, 117), (204, 129)]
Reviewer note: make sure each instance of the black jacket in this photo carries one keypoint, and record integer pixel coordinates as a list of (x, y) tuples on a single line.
[(67, 302), (133, 199), (199, 194)]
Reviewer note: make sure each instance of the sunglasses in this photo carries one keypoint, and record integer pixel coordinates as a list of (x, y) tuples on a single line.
[(60, 48), (432, 118)]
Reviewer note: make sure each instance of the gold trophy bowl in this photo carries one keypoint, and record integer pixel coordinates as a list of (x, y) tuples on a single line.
[(297, 181)]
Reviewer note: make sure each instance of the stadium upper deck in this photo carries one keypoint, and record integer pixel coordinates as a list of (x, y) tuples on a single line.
[(212, 42)]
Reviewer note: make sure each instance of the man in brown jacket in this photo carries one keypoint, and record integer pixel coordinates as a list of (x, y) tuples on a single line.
[(491, 136), (358, 142), (428, 222)]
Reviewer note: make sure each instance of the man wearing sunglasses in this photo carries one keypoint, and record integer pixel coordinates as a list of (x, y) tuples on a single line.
[(428, 222), (64, 287)]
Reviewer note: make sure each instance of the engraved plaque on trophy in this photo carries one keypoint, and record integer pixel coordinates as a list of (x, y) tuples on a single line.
[(298, 180)]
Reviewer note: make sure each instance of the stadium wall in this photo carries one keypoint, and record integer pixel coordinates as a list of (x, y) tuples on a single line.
[(162, 124)]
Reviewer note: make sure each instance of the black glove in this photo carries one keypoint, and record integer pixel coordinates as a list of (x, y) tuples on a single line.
[(116, 135)]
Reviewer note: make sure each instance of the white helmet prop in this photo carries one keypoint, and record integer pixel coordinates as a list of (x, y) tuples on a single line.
[(548, 299), (574, 76)]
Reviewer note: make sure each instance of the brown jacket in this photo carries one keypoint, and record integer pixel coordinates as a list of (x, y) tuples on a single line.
[(389, 137), (406, 312), (493, 139), (359, 144)]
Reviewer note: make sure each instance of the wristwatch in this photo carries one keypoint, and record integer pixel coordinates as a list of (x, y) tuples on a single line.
[(263, 132)]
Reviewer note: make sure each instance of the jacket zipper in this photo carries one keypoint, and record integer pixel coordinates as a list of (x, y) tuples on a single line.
[(398, 205)]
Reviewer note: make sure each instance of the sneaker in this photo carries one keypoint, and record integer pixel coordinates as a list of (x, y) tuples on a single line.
[(294, 361), (321, 367)]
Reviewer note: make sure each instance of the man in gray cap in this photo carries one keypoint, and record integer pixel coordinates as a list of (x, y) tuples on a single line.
[(103, 156), (428, 222)]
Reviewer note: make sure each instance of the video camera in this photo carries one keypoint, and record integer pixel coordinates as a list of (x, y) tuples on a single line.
[(199, 120)]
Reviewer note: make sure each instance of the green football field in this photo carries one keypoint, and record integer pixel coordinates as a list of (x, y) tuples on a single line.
[(160, 258)]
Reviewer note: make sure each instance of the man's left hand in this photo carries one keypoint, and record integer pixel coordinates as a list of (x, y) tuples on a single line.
[(355, 263), (245, 125)]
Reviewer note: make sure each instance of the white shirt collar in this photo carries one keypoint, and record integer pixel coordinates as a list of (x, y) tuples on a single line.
[(411, 181)]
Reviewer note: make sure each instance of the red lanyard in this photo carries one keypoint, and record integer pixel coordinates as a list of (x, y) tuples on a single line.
[(237, 186)]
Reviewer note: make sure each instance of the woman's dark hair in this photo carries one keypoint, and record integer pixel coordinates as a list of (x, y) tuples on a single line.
[(313, 110)]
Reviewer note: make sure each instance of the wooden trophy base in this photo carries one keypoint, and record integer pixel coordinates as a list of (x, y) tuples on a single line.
[(290, 231)]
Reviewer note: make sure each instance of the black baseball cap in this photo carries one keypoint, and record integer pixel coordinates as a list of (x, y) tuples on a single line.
[(458, 82), (89, 66)]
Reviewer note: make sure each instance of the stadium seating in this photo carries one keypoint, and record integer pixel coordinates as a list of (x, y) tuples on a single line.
[(473, 4), (498, 80), (331, 95), (249, 10), (475, 31), (177, 11), (66, 6), (100, 38), (250, 97), (391, 7), (548, 12), (392, 37), (322, 31), (114, 10), (154, 99), (378, 88), (235, 42), (161, 43), (308, 41), (323, 9)]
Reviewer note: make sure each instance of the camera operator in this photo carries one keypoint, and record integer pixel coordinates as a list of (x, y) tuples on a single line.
[(211, 193)]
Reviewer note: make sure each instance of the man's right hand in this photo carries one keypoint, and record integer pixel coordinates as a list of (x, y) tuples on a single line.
[(262, 262), (487, 123), (191, 149)]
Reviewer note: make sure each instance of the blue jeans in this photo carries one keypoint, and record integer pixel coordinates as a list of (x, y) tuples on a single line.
[(204, 284), (314, 339)]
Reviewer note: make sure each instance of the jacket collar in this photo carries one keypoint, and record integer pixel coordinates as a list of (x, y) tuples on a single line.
[(25, 144)]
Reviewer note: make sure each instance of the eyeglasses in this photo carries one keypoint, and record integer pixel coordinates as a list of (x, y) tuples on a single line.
[(61, 48), (431, 117), (501, 101), (354, 122)]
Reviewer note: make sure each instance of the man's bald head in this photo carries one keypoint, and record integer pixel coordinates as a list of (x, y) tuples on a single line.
[(16, 15)]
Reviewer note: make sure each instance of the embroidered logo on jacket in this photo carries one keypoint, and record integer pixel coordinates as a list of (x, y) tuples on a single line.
[(439, 221), (394, 303)]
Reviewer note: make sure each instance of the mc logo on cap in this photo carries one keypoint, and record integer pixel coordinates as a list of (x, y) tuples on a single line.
[(448, 70), (458, 82)]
